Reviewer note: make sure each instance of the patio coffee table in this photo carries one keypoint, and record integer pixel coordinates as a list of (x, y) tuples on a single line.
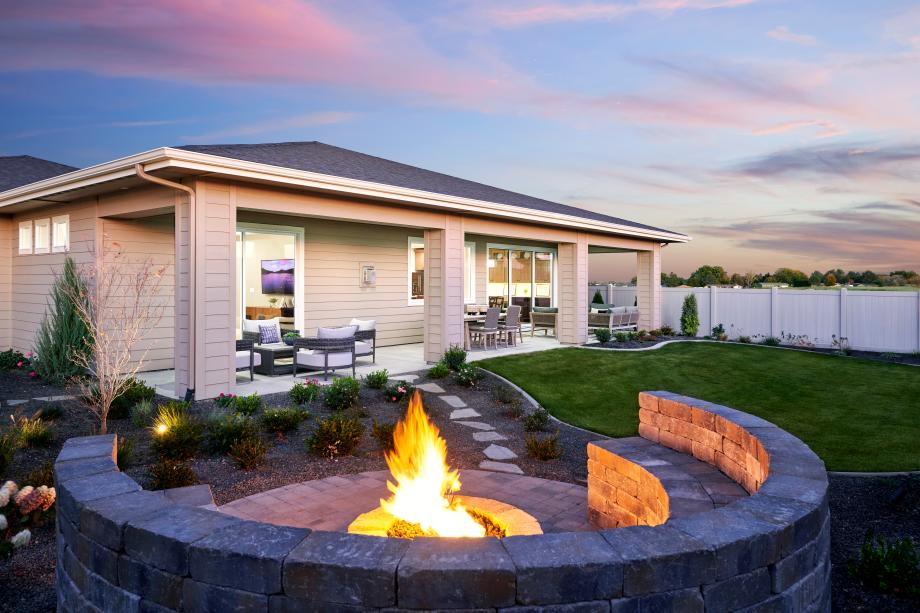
[(271, 353)]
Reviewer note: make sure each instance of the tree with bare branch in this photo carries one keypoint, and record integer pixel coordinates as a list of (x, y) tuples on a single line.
[(120, 302)]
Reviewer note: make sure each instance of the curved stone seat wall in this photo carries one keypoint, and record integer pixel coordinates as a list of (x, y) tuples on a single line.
[(121, 548)]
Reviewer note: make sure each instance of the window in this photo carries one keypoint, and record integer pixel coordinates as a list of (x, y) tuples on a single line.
[(25, 237), (498, 277), (60, 234), (469, 273), (416, 271), (42, 235)]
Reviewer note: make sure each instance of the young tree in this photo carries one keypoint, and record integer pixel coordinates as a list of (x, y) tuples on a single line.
[(63, 334), (598, 299), (120, 302), (689, 316)]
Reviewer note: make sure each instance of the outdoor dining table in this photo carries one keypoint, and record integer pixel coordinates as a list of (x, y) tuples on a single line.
[(473, 317)]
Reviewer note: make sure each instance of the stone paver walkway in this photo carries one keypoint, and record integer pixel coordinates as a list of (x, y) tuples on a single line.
[(333, 503)]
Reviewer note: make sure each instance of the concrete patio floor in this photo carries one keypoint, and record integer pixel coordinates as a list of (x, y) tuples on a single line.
[(396, 359)]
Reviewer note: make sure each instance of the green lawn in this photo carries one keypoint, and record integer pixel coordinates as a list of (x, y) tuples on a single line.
[(856, 414)]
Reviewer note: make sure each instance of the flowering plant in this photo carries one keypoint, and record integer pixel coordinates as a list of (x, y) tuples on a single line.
[(21, 509), (225, 400), (398, 390)]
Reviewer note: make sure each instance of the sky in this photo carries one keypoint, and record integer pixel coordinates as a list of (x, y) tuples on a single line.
[(775, 133)]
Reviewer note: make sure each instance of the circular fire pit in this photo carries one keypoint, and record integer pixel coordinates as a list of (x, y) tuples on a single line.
[(123, 548)]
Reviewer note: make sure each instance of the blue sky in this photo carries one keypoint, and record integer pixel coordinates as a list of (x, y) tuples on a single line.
[(775, 133)]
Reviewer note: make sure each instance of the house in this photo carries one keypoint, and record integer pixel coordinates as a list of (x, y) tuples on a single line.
[(328, 233)]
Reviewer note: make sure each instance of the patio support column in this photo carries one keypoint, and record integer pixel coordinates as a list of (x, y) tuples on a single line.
[(443, 318), (6, 281), (648, 287), (215, 282), (573, 295), (183, 293)]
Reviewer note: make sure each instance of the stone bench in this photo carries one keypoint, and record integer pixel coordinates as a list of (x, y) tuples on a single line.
[(121, 548)]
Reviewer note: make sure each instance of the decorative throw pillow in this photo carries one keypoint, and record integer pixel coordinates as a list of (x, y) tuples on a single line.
[(268, 334), (364, 324), (331, 333)]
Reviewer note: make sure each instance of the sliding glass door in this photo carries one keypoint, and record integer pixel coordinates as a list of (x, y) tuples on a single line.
[(522, 276), (269, 275)]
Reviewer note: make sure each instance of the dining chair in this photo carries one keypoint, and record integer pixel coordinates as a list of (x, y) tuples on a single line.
[(511, 329), (488, 329)]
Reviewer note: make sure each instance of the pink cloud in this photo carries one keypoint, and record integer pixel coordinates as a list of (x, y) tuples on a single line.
[(783, 33), (530, 13), (827, 129)]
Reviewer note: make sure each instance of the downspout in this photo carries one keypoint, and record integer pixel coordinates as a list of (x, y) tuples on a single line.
[(139, 168)]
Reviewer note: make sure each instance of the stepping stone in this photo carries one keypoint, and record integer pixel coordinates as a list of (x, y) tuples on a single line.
[(497, 452), (54, 398), (406, 378), (453, 401), (433, 388), (478, 425), (484, 437), (501, 467), (464, 413), (14, 403)]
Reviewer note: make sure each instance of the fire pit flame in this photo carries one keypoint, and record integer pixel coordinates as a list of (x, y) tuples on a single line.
[(418, 464)]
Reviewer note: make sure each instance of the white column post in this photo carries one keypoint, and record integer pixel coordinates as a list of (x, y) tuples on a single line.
[(610, 293), (774, 312), (844, 324), (648, 287), (713, 307), (573, 299), (443, 317)]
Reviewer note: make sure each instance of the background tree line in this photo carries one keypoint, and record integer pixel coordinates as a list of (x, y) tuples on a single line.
[(716, 275)]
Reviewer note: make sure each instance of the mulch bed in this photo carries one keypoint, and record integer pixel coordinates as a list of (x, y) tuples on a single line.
[(28, 579)]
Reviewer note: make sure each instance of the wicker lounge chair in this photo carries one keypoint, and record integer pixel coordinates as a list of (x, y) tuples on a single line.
[(247, 358), (332, 349), (543, 318)]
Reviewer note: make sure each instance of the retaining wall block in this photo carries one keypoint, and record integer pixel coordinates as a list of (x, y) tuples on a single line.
[(104, 519), (468, 573), (565, 567), (149, 583)]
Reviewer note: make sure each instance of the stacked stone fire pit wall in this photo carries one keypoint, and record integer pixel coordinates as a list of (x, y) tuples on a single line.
[(121, 548)]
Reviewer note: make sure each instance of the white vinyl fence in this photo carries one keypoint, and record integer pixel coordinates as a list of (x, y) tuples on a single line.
[(869, 320)]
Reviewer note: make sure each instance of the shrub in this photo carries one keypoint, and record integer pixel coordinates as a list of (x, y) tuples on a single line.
[(398, 390), (167, 474), (597, 299), (135, 391), (515, 410), (249, 452), (63, 333), (383, 434), (666, 331), (632, 336), (602, 335), (225, 400), (689, 316), (504, 394), (642, 334), (124, 453), (770, 341), (176, 435), (225, 430), (888, 566), (50, 412), (543, 447), (536, 421), (439, 370), (11, 359), (141, 413), (305, 393), (377, 379), (247, 405), (8, 444), (468, 375), (336, 436), (454, 357), (342, 393), (718, 333), (43, 475), (744, 339), (283, 420), (621, 337), (33, 432)]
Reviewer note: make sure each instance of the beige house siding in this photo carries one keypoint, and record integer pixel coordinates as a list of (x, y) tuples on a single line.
[(648, 288), (334, 252), (33, 275), (6, 281), (141, 241)]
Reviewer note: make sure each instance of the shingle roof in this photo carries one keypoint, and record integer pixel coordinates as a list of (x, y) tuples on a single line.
[(325, 159), (16, 170)]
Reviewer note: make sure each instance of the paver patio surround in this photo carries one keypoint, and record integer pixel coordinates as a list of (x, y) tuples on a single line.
[(121, 548)]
